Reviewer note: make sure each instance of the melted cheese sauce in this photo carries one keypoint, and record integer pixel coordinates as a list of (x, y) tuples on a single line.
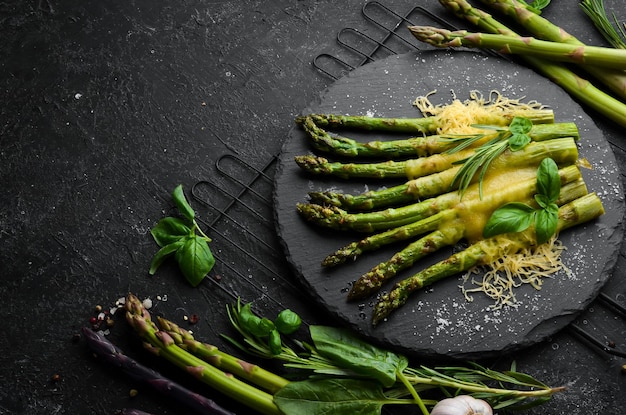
[(475, 211)]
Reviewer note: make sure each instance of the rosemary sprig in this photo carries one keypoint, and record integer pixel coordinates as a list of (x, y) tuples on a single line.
[(514, 138), (615, 33)]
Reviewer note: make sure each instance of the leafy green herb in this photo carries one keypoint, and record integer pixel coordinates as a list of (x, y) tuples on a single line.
[(350, 376), (262, 331), (332, 396), (515, 138), (613, 32), (355, 354), (517, 217), (177, 237), (287, 321)]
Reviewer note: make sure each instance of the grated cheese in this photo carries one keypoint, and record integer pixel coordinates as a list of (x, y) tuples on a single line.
[(508, 272), (458, 116)]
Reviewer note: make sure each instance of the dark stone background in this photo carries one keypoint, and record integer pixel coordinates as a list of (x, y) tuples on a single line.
[(106, 107)]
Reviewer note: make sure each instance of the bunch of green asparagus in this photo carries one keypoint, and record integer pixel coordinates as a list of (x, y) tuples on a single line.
[(332, 372), (446, 193), (549, 51)]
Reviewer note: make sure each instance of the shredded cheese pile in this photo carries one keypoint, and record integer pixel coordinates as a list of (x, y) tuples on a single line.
[(458, 117), (505, 274), (508, 271)]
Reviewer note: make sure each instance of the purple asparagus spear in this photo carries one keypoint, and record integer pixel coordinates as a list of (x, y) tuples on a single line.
[(106, 350)]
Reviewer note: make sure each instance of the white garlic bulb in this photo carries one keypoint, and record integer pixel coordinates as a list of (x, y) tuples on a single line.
[(462, 405)]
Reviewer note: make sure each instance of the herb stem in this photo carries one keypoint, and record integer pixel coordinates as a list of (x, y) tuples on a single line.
[(204, 235), (474, 387), (412, 391)]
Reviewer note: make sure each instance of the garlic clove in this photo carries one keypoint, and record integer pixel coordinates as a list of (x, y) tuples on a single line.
[(462, 405)]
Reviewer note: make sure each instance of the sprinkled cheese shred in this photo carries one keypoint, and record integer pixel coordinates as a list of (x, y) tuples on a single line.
[(504, 275), (458, 116)]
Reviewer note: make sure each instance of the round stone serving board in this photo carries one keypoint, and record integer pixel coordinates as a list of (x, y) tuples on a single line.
[(438, 321)]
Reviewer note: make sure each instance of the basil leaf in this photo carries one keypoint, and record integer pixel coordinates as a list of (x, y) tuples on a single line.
[(275, 343), (182, 204), (548, 179), (264, 327), (331, 396), (542, 200), (287, 321), (520, 125), (247, 319), (546, 221), (512, 217), (350, 352), (518, 141), (169, 230), (195, 259), (162, 254)]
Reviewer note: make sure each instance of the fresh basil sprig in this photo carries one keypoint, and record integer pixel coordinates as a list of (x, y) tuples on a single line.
[(517, 217), (177, 237)]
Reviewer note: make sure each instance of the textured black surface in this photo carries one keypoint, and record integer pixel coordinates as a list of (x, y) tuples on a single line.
[(105, 108), (438, 321)]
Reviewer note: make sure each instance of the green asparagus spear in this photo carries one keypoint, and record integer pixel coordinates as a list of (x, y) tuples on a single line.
[(223, 361), (446, 235), (426, 125), (576, 212), (389, 169), (556, 51), (576, 86), (562, 150), (162, 344)]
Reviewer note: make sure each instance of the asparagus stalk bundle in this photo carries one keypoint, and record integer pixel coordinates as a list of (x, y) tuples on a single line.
[(543, 128), (581, 210), (563, 151), (427, 162), (542, 28), (460, 181), (556, 51), (613, 107), (162, 344), (369, 283)]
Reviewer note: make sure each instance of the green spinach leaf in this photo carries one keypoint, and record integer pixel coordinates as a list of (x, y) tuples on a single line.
[(331, 397), (350, 352)]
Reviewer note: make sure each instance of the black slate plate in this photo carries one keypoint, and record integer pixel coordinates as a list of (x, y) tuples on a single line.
[(437, 321)]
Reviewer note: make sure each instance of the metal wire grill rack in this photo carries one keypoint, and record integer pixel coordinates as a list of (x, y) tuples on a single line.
[(239, 202), (237, 211), (389, 37)]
